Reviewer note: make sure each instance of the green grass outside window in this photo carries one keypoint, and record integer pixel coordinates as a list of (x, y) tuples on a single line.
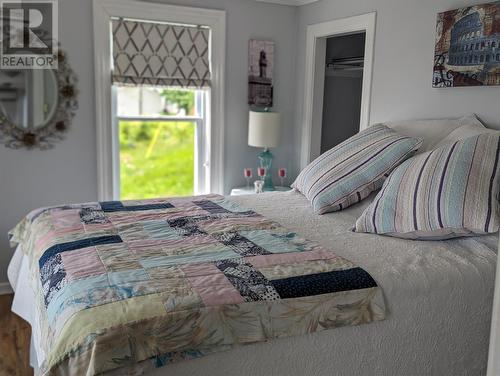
[(156, 159)]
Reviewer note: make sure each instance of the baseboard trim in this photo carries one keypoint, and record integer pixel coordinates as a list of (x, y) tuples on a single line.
[(5, 288)]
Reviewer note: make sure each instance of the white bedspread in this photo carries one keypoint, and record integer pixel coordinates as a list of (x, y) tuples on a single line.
[(438, 294)]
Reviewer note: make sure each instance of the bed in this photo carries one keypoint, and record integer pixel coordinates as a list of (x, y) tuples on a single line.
[(437, 297)]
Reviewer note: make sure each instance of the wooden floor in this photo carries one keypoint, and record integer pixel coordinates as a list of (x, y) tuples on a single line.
[(14, 341)]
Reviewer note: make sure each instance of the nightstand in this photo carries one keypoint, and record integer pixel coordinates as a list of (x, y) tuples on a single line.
[(250, 190)]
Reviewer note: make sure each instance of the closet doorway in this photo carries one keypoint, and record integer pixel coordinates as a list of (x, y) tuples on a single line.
[(338, 74), (345, 57)]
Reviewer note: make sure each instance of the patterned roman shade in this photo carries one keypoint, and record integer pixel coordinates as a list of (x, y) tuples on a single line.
[(160, 54)]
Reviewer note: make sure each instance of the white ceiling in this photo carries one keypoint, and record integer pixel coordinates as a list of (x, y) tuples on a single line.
[(288, 2)]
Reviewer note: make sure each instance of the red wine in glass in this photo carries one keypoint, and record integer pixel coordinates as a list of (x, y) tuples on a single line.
[(248, 173), (282, 175), (261, 172)]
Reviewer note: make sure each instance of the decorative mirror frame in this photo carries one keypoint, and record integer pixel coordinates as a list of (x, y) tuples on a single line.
[(43, 138)]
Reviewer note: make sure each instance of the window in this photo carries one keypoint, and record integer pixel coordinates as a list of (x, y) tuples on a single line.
[(160, 141), (161, 79), (107, 84)]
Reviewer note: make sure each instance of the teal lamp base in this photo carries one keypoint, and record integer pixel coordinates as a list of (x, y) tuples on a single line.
[(266, 161)]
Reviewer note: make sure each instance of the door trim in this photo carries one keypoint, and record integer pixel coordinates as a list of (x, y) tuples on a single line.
[(315, 71)]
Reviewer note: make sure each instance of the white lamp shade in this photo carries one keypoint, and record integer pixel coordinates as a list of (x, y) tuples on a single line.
[(264, 129)]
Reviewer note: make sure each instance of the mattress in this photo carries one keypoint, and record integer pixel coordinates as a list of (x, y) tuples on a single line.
[(438, 296)]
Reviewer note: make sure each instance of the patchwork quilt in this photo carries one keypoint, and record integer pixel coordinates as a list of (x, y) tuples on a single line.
[(134, 285)]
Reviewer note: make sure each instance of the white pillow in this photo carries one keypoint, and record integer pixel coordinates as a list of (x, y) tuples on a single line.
[(432, 131), (465, 131)]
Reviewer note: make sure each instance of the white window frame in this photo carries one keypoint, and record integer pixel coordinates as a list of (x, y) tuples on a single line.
[(106, 122), (201, 156)]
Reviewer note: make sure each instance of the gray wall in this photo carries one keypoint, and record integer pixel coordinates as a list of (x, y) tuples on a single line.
[(402, 72), (67, 173)]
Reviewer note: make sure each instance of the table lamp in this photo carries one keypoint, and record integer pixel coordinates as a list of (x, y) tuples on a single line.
[(264, 132)]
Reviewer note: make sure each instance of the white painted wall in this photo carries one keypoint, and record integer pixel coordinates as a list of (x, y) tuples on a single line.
[(68, 173), (402, 72)]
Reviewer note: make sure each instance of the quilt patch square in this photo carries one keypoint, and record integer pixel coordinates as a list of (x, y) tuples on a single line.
[(215, 279), (131, 231), (236, 224), (240, 244), (53, 277), (187, 226), (122, 218), (233, 207), (295, 269), (294, 257), (161, 206), (223, 293), (115, 206), (122, 277), (92, 215), (211, 207), (160, 229), (66, 220), (211, 284), (165, 272), (117, 257), (217, 252), (276, 242), (82, 264), (180, 299), (191, 246), (250, 283), (323, 283), (199, 269)]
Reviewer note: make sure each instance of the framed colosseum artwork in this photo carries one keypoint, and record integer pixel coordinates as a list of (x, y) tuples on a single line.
[(467, 51)]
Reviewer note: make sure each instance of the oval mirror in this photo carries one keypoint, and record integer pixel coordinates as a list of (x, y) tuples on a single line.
[(28, 98), (37, 105)]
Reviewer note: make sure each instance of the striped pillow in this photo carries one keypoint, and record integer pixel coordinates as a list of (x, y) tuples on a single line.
[(350, 171), (445, 193)]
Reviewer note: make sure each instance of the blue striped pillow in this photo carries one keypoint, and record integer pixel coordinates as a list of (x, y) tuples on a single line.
[(350, 171), (449, 192)]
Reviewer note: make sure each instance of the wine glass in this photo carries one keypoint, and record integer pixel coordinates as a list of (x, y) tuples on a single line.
[(248, 173), (282, 175), (261, 171)]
